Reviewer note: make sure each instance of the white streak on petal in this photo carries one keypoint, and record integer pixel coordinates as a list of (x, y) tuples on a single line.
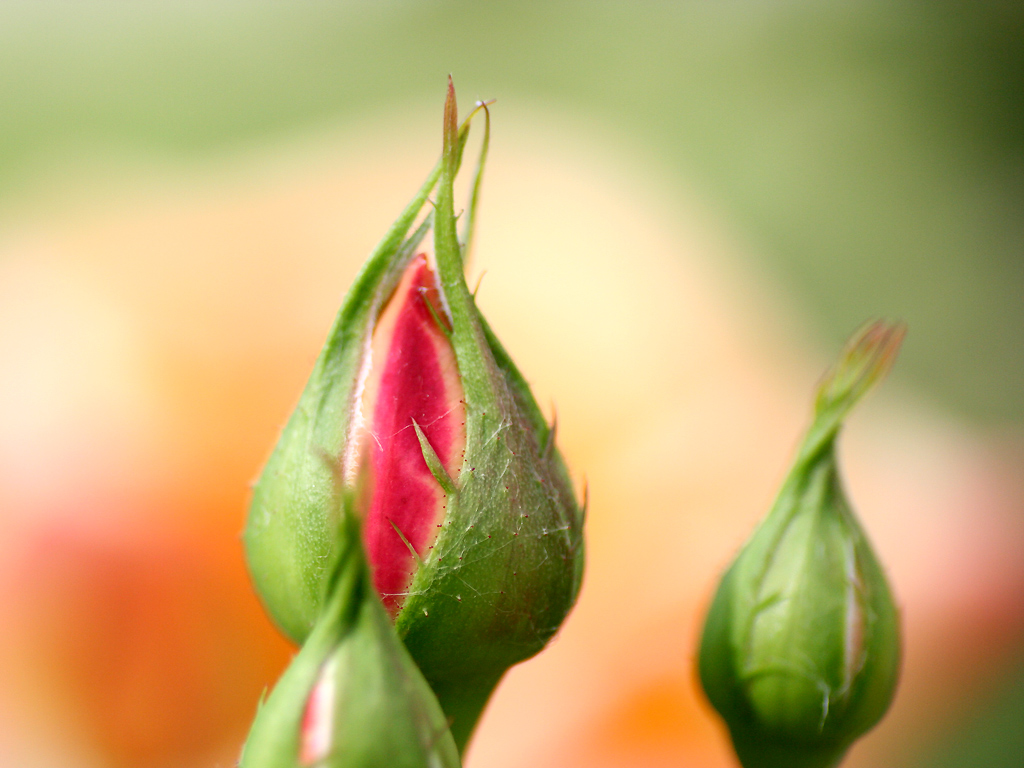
[(318, 719)]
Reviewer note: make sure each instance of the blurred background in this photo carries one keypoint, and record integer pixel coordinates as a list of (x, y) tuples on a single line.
[(688, 208)]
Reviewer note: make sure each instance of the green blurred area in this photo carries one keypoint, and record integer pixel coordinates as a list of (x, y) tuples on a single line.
[(992, 737), (872, 152)]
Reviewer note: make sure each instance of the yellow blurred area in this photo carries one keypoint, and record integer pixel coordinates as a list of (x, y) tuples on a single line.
[(152, 343)]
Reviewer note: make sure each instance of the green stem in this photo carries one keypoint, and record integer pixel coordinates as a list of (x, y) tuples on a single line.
[(463, 701)]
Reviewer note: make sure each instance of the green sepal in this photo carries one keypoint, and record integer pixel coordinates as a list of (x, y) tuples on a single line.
[(800, 650), (288, 536), (469, 228), (506, 567), (382, 712), (433, 463)]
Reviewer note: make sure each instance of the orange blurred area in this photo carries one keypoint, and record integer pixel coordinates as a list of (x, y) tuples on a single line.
[(153, 341)]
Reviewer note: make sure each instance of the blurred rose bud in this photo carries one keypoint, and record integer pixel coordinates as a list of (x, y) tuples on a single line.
[(471, 525), (800, 651), (352, 697)]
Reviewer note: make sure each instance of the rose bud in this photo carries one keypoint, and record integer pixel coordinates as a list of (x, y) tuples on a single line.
[(352, 697), (471, 526), (800, 652)]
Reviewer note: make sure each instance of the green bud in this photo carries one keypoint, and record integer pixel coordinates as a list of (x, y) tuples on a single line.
[(800, 651), (471, 526), (352, 697)]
